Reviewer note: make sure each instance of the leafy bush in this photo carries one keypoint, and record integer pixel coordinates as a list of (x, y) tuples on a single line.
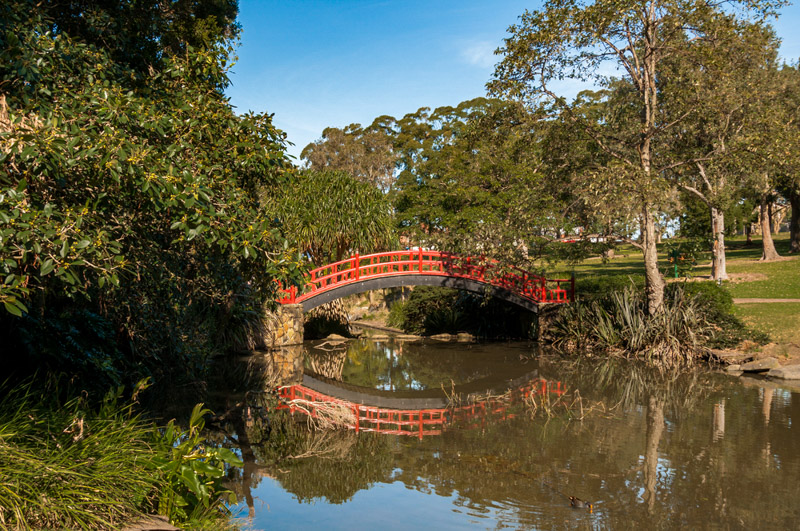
[(716, 303), (396, 314), (431, 310), (693, 317), (591, 288), (423, 302)]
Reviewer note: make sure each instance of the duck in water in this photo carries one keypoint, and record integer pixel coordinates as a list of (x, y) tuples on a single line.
[(574, 502), (579, 503)]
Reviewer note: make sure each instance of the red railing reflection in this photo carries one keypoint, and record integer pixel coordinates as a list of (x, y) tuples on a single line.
[(417, 422)]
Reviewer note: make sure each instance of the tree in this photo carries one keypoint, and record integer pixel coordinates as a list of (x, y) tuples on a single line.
[(364, 153), (786, 146), (469, 180), (566, 40), (139, 34), (130, 195), (731, 86), (330, 214)]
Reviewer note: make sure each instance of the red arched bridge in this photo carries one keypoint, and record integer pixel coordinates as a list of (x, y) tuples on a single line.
[(358, 274)]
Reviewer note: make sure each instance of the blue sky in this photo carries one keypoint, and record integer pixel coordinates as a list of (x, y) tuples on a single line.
[(316, 64)]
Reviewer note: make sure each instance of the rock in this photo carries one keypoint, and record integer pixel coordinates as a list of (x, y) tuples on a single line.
[(464, 337), (442, 337), (731, 357), (789, 372), (761, 365), (335, 337), (734, 368)]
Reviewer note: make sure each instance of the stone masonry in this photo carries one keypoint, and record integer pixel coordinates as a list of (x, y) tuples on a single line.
[(285, 327)]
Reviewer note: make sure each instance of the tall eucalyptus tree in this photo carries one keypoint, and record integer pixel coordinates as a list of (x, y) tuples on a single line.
[(632, 39)]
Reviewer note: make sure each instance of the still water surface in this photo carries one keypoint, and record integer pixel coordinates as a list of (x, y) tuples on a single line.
[(701, 450)]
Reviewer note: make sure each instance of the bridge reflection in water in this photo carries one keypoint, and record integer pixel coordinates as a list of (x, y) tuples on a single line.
[(429, 418)]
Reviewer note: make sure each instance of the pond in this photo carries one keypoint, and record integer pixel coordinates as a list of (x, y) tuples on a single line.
[(524, 430)]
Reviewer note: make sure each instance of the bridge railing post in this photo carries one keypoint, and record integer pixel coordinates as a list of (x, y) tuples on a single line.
[(356, 266), (420, 259), (572, 288)]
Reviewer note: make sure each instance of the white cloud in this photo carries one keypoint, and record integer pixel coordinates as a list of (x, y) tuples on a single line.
[(479, 53)]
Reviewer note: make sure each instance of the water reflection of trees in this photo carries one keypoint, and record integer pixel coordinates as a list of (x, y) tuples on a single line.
[(406, 366), (692, 450)]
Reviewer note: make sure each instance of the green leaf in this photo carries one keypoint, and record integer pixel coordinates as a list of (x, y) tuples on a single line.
[(190, 479), (13, 310), (47, 267)]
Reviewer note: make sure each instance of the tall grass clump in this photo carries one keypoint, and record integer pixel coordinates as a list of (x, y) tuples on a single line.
[(71, 466), (77, 465), (619, 324)]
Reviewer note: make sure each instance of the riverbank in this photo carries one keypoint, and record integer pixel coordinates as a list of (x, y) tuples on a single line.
[(766, 295)]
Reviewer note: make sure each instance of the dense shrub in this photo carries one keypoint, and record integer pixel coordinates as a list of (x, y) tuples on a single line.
[(619, 323), (716, 303), (432, 310), (691, 320), (591, 288)]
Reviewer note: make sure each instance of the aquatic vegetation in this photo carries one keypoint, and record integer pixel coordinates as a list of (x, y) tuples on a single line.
[(619, 324)]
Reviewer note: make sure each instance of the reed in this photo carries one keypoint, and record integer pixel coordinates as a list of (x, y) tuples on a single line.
[(619, 324)]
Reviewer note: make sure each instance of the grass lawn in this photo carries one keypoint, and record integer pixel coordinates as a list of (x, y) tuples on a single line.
[(749, 279), (780, 320)]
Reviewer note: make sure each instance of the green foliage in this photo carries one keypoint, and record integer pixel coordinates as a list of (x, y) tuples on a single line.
[(716, 303), (192, 473), (131, 192), (68, 341), (422, 302), (330, 214), (431, 310), (469, 180), (620, 323), (396, 314), (683, 255), (595, 287), (69, 464), (364, 152), (695, 316), (707, 294)]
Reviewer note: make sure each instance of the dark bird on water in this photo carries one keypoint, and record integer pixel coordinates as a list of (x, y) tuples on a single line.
[(579, 503)]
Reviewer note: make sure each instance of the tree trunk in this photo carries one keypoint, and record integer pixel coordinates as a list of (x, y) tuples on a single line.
[(794, 221), (654, 282), (767, 245), (655, 428), (718, 270), (748, 232)]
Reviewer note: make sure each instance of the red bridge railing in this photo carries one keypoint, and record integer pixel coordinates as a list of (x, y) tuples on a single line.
[(527, 285), (417, 422)]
